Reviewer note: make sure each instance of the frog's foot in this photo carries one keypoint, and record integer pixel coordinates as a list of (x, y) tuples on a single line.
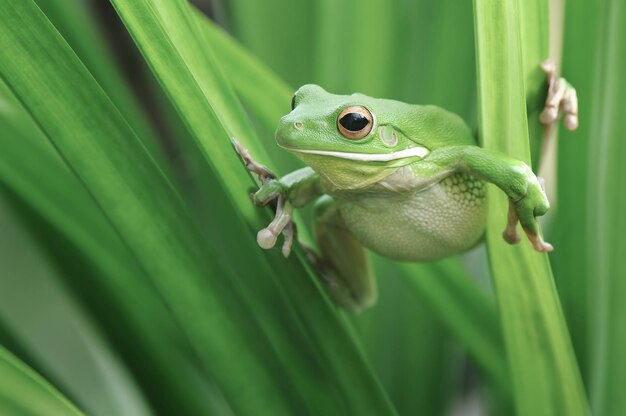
[(282, 223), (263, 173), (526, 210), (531, 229), (270, 190), (537, 241), (561, 99)]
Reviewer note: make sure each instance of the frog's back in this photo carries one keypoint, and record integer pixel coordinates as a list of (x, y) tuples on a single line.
[(426, 224)]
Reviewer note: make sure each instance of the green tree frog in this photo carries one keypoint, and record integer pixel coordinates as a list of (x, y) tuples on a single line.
[(405, 181)]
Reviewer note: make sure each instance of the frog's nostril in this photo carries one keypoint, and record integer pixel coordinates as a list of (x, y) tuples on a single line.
[(297, 125)]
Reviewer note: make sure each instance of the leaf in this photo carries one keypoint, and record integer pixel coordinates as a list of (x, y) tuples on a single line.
[(422, 347), (574, 210), (95, 263), (546, 380), (146, 211), (73, 20), (23, 392), (465, 312), (263, 94), (606, 221), (287, 51), (415, 297)]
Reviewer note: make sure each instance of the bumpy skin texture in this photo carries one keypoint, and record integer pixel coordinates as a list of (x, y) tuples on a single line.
[(421, 225), (411, 187)]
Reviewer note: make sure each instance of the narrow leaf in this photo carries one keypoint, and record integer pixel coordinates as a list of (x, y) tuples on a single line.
[(607, 223), (545, 376), (66, 220), (25, 393), (146, 211)]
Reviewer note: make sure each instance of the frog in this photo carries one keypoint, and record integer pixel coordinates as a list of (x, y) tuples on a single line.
[(405, 181)]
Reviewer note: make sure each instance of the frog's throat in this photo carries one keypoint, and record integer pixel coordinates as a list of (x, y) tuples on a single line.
[(416, 151)]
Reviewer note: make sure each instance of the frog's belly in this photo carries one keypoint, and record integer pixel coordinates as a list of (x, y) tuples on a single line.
[(443, 220)]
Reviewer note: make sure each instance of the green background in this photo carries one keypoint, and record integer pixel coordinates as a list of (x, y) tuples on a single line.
[(130, 278)]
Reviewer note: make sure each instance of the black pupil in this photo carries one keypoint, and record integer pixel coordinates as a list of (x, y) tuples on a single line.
[(354, 121), (293, 102)]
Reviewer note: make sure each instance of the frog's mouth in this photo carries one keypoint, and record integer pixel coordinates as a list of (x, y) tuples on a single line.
[(411, 152)]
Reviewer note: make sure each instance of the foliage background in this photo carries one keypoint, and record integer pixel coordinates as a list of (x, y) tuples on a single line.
[(130, 280)]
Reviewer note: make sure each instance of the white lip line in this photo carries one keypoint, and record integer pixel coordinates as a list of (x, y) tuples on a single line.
[(417, 151)]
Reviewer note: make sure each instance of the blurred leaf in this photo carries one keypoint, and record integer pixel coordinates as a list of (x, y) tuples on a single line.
[(52, 333), (571, 261), (544, 374), (74, 21), (345, 45), (149, 215), (102, 271), (287, 51), (467, 313), (434, 55), (421, 374), (607, 223), (265, 95), (24, 392)]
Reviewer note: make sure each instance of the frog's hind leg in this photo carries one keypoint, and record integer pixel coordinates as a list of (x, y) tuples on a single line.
[(342, 264)]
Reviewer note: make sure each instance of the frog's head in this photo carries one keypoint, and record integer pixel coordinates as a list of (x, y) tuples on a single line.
[(355, 140)]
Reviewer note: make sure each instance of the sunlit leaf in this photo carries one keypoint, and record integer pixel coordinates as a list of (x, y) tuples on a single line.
[(23, 392), (544, 373)]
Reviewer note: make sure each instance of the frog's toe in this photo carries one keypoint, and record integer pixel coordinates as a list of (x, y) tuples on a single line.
[(289, 234), (548, 67), (511, 236), (570, 106), (549, 115), (532, 230), (266, 238), (510, 233), (253, 166), (537, 241)]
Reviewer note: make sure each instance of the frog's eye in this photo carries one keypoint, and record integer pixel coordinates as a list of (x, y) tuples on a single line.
[(355, 122), (293, 102)]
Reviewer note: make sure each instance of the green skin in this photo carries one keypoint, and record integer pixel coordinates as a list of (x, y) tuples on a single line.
[(420, 207)]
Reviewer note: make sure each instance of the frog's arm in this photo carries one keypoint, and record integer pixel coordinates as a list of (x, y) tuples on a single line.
[(342, 262), (299, 187), (527, 200), (293, 190)]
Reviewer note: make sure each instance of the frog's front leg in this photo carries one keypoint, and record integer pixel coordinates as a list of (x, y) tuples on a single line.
[(342, 264), (527, 199), (291, 191)]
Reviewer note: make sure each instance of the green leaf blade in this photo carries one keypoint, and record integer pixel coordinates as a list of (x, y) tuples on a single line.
[(25, 393), (545, 377), (606, 221), (142, 205)]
